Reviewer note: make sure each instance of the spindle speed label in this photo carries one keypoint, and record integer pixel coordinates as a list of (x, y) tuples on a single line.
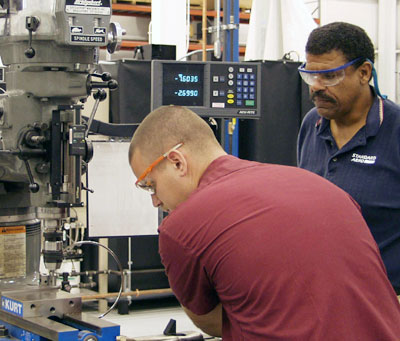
[(85, 38)]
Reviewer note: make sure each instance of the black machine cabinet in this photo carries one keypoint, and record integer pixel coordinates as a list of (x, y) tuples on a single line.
[(284, 103), (131, 102), (271, 138)]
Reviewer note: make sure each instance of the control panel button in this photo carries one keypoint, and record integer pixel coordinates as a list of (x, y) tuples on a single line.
[(215, 79), (230, 69), (249, 103), (252, 76), (251, 96), (239, 89), (230, 96), (245, 83), (222, 78), (230, 75), (230, 82), (245, 90), (239, 102), (230, 101), (251, 90), (241, 69), (215, 93), (245, 76), (249, 70), (245, 96), (239, 83), (252, 83), (239, 76), (239, 96), (221, 92)]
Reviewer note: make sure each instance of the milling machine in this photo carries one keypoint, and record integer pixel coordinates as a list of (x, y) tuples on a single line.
[(48, 51)]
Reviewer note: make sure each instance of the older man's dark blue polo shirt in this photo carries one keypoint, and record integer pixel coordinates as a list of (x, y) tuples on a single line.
[(367, 167)]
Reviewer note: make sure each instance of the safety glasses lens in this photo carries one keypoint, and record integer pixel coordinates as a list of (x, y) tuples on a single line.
[(146, 185), (323, 78)]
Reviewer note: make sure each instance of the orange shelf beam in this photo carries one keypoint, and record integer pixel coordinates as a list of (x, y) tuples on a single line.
[(139, 10)]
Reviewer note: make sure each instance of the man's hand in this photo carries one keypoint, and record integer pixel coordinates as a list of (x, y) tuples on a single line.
[(210, 323)]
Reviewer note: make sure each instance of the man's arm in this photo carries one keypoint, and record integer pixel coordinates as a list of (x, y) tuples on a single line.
[(210, 323)]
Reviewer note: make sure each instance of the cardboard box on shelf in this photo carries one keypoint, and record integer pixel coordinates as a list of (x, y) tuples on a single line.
[(243, 4), (210, 4)]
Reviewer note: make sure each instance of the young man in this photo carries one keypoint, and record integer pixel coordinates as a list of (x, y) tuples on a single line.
[(352, 136), (256, 251)]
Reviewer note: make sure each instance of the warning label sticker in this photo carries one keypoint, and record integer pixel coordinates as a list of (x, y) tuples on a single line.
[(72, 9), (12, 251), (81, 38)]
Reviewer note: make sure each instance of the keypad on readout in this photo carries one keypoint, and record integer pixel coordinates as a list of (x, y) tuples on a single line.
[(241, 90)]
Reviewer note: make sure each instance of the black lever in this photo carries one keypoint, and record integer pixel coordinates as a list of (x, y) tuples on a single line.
[(31, 24), (105, 76), (86, 189), (108, 82), (33, 186), (99, 95), (111, 84)]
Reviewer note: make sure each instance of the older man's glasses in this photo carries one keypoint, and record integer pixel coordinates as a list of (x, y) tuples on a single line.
[(330, 77), (147, 184)]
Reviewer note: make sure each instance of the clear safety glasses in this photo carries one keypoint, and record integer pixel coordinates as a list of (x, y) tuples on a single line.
[(330, 77), (147, 184)]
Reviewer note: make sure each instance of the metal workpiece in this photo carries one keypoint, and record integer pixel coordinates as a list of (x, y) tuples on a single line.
[(50, 213)]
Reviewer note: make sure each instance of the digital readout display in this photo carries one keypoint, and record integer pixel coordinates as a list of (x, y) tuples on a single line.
[(183, 84)]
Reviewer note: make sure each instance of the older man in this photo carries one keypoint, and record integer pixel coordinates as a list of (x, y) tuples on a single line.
[(352, 136), (256, 251)]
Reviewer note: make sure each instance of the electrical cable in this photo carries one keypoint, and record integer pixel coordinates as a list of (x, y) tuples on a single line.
[(89, 242), (194, 52), (287, 56)]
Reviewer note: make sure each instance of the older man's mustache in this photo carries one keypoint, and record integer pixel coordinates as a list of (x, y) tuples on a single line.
[(321, 95)]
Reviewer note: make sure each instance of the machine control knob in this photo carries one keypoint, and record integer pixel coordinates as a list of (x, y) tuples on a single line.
[(30, 52), (34, 187), (112, 84), (115, 33)]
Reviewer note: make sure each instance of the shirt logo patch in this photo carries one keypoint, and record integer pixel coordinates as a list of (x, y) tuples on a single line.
[(367, 159)]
